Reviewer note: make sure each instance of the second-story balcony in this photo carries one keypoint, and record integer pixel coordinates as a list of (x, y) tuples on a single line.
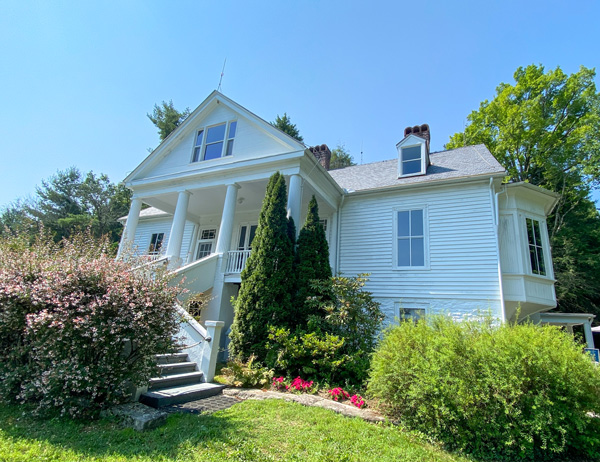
[(236, 261)]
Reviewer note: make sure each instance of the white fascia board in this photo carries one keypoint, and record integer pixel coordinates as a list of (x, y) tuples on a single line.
[(411, 140), (429, 184), (549, 198), (196, 116), (224, 168)]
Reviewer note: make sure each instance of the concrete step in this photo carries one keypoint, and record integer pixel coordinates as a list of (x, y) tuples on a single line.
[(178, 395), (172, 358), (175, 380), (176, 368)]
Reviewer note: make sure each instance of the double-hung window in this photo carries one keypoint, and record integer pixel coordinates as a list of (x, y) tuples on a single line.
[(411, 162), (410, 238), (214, 142), (536, 249), (156, 243)]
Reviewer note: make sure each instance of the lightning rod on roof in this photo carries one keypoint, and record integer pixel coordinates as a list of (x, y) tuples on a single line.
[(222, 74), (361, 153)]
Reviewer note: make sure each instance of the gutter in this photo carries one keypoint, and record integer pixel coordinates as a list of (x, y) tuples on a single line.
[(496, 210)]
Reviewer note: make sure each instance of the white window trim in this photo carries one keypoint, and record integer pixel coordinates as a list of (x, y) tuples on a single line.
[(199, 240), (225, 141), (423, 160), (545, 246), (239, 233), (399, 306), (426, 267)]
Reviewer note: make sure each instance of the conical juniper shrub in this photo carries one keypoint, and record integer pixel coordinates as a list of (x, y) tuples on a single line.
[(501, 392), (312, 265), (265, 295)]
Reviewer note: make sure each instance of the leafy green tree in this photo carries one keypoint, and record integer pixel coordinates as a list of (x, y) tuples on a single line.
[(544, 130), (14, 220), (312, 263), (340, 158), (265, 296), (285, 125), (167, 118)]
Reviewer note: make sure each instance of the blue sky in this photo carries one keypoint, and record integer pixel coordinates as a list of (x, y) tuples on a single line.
[(77, 78)]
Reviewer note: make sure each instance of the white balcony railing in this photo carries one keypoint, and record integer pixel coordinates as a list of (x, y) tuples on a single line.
[(236, 261)]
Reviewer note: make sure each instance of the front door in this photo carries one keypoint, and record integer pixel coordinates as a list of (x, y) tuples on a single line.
[(246, 237)]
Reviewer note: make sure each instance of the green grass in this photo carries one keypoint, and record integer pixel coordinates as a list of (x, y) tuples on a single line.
[(249, 431)]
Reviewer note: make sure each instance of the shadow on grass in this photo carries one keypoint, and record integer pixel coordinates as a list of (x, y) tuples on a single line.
[(182, 434)]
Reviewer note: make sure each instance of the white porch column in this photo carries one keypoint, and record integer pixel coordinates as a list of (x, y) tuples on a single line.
[(131, 224), (587, 331), (295, 200), (226, 228), (177, 228)]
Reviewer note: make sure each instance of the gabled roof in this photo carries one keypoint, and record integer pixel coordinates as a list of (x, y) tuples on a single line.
[(463, 162), (190, 123)]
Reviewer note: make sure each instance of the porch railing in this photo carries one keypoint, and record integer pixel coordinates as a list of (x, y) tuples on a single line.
[(236, 261)]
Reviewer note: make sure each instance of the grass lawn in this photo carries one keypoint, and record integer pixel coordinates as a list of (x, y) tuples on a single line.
[(249, 431)]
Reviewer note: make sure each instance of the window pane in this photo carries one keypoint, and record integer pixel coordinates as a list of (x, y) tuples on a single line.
[(403, 229), (533, 259), (411, 153), (196, 154), (530, 231), (541, 263), (252, 234), (417, 252), (242, 242), (416, 223), (204, 250), (199, 138), (229, 148), (216, 134), (232, 128), (213, 151), (403, 252), (536, 232), (412, 166)]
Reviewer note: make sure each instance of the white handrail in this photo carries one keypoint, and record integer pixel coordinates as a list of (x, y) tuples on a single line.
[(236, 261)]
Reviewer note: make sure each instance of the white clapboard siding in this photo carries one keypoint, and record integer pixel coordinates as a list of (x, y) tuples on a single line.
[(146, 228), (249, 142), (463, 263)]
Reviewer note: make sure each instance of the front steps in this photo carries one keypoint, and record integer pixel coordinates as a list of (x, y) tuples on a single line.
[(179, 381)]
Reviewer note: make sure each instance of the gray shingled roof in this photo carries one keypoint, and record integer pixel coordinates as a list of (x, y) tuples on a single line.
[(456, 163)]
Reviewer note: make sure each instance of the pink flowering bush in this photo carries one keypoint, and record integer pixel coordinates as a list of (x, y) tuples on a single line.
[(300, 385), (278, 383), (357, 401), (77, 328)]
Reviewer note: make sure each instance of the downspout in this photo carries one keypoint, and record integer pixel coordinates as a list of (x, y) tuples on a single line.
[(339, 232), (495, 209)]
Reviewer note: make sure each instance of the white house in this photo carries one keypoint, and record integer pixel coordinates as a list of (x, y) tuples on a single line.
[(437, 231)]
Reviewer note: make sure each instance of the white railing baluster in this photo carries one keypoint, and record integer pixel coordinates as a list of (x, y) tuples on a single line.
[(236, 261)]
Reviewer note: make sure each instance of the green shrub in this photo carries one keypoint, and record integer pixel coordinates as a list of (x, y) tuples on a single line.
[(76, 326), (248, 374), (337, 344), (495, 391)]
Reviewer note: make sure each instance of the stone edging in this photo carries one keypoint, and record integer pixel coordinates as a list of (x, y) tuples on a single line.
[(306, 400)]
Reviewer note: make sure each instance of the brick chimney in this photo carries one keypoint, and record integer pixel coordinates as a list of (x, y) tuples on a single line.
[(421, 131), (322, 154)]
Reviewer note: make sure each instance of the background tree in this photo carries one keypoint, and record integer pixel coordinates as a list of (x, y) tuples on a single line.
[(544, 130), (167, 118), (340, 158), (312, 264), (265, 295), (285, 125)]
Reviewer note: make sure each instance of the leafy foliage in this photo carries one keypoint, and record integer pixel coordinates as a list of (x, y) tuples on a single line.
[(167, 118), (285, 125), (248, 374), (340, 158), (543, 130), (312, 264), (336, 345), (76, 326), (265, 295), (496, 391)]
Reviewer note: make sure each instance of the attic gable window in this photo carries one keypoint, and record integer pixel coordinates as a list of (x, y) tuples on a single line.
[(214, 142)]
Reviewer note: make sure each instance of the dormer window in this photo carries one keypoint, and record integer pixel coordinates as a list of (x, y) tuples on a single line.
[(413, 151), (214, 142), (411, 162)]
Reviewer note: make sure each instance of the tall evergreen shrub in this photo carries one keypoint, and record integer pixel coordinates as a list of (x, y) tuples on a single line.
[(265, 296), (312, 264)]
